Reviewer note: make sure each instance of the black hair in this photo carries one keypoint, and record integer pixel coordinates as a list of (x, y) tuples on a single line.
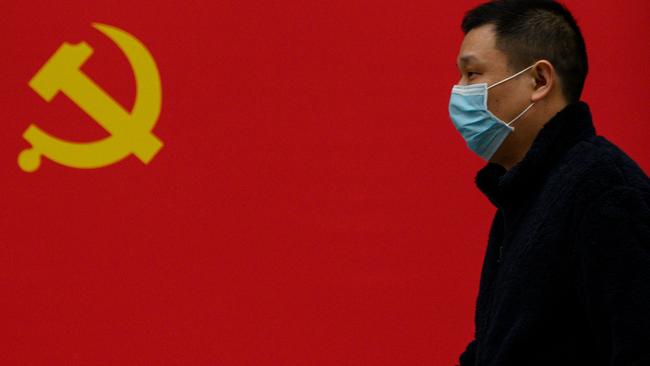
[(531, 30)]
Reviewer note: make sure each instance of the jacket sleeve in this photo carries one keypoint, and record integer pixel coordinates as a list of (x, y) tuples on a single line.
[(468, 357), (613, 275)]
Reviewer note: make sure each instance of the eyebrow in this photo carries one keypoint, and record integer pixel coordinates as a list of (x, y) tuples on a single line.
[(465, 59)]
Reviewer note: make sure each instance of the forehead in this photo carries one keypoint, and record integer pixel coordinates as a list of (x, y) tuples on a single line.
[(479, 47)]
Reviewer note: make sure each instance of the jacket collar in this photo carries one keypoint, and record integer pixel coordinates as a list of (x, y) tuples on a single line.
[(567, 127)]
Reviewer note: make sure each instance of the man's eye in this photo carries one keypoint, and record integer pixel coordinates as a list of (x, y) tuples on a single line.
[(471, 73)]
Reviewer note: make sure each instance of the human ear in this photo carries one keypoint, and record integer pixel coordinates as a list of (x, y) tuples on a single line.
[(544, 78)]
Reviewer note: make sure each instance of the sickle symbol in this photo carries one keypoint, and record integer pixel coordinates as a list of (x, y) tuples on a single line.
[(129, 132)]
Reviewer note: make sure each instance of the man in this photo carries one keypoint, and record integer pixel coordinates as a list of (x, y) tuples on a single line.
[(566, 274)]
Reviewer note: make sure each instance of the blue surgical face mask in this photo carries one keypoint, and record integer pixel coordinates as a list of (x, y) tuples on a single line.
[(483, 131)]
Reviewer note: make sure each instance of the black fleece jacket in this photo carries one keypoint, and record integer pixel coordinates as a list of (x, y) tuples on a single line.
[(566, 274)]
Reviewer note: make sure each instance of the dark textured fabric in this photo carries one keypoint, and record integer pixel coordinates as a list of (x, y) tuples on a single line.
[(566, 274)]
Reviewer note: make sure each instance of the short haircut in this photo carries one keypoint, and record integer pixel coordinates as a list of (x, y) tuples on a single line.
[(531, 30)]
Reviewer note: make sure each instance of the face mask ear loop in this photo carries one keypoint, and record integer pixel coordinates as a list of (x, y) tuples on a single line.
[(520, 114), (511, 77)]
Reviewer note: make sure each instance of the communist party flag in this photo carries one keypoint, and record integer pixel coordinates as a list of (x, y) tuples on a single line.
[(239, 182)]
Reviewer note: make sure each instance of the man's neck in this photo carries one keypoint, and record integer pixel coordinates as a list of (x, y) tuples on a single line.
[(516, 145), (514, 149)]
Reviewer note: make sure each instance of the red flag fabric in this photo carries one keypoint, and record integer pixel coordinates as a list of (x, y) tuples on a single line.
[(303, 198)]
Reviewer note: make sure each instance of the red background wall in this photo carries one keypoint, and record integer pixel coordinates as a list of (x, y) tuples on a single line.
[(312, 205)]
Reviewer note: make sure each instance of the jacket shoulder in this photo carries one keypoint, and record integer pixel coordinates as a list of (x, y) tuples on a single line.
[(599, 166), (629, 171)]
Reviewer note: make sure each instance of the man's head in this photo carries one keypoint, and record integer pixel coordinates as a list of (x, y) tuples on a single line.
[(530, 30), (503, 37)]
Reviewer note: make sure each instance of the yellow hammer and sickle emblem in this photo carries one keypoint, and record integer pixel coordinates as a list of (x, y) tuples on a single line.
[(129, 132)]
